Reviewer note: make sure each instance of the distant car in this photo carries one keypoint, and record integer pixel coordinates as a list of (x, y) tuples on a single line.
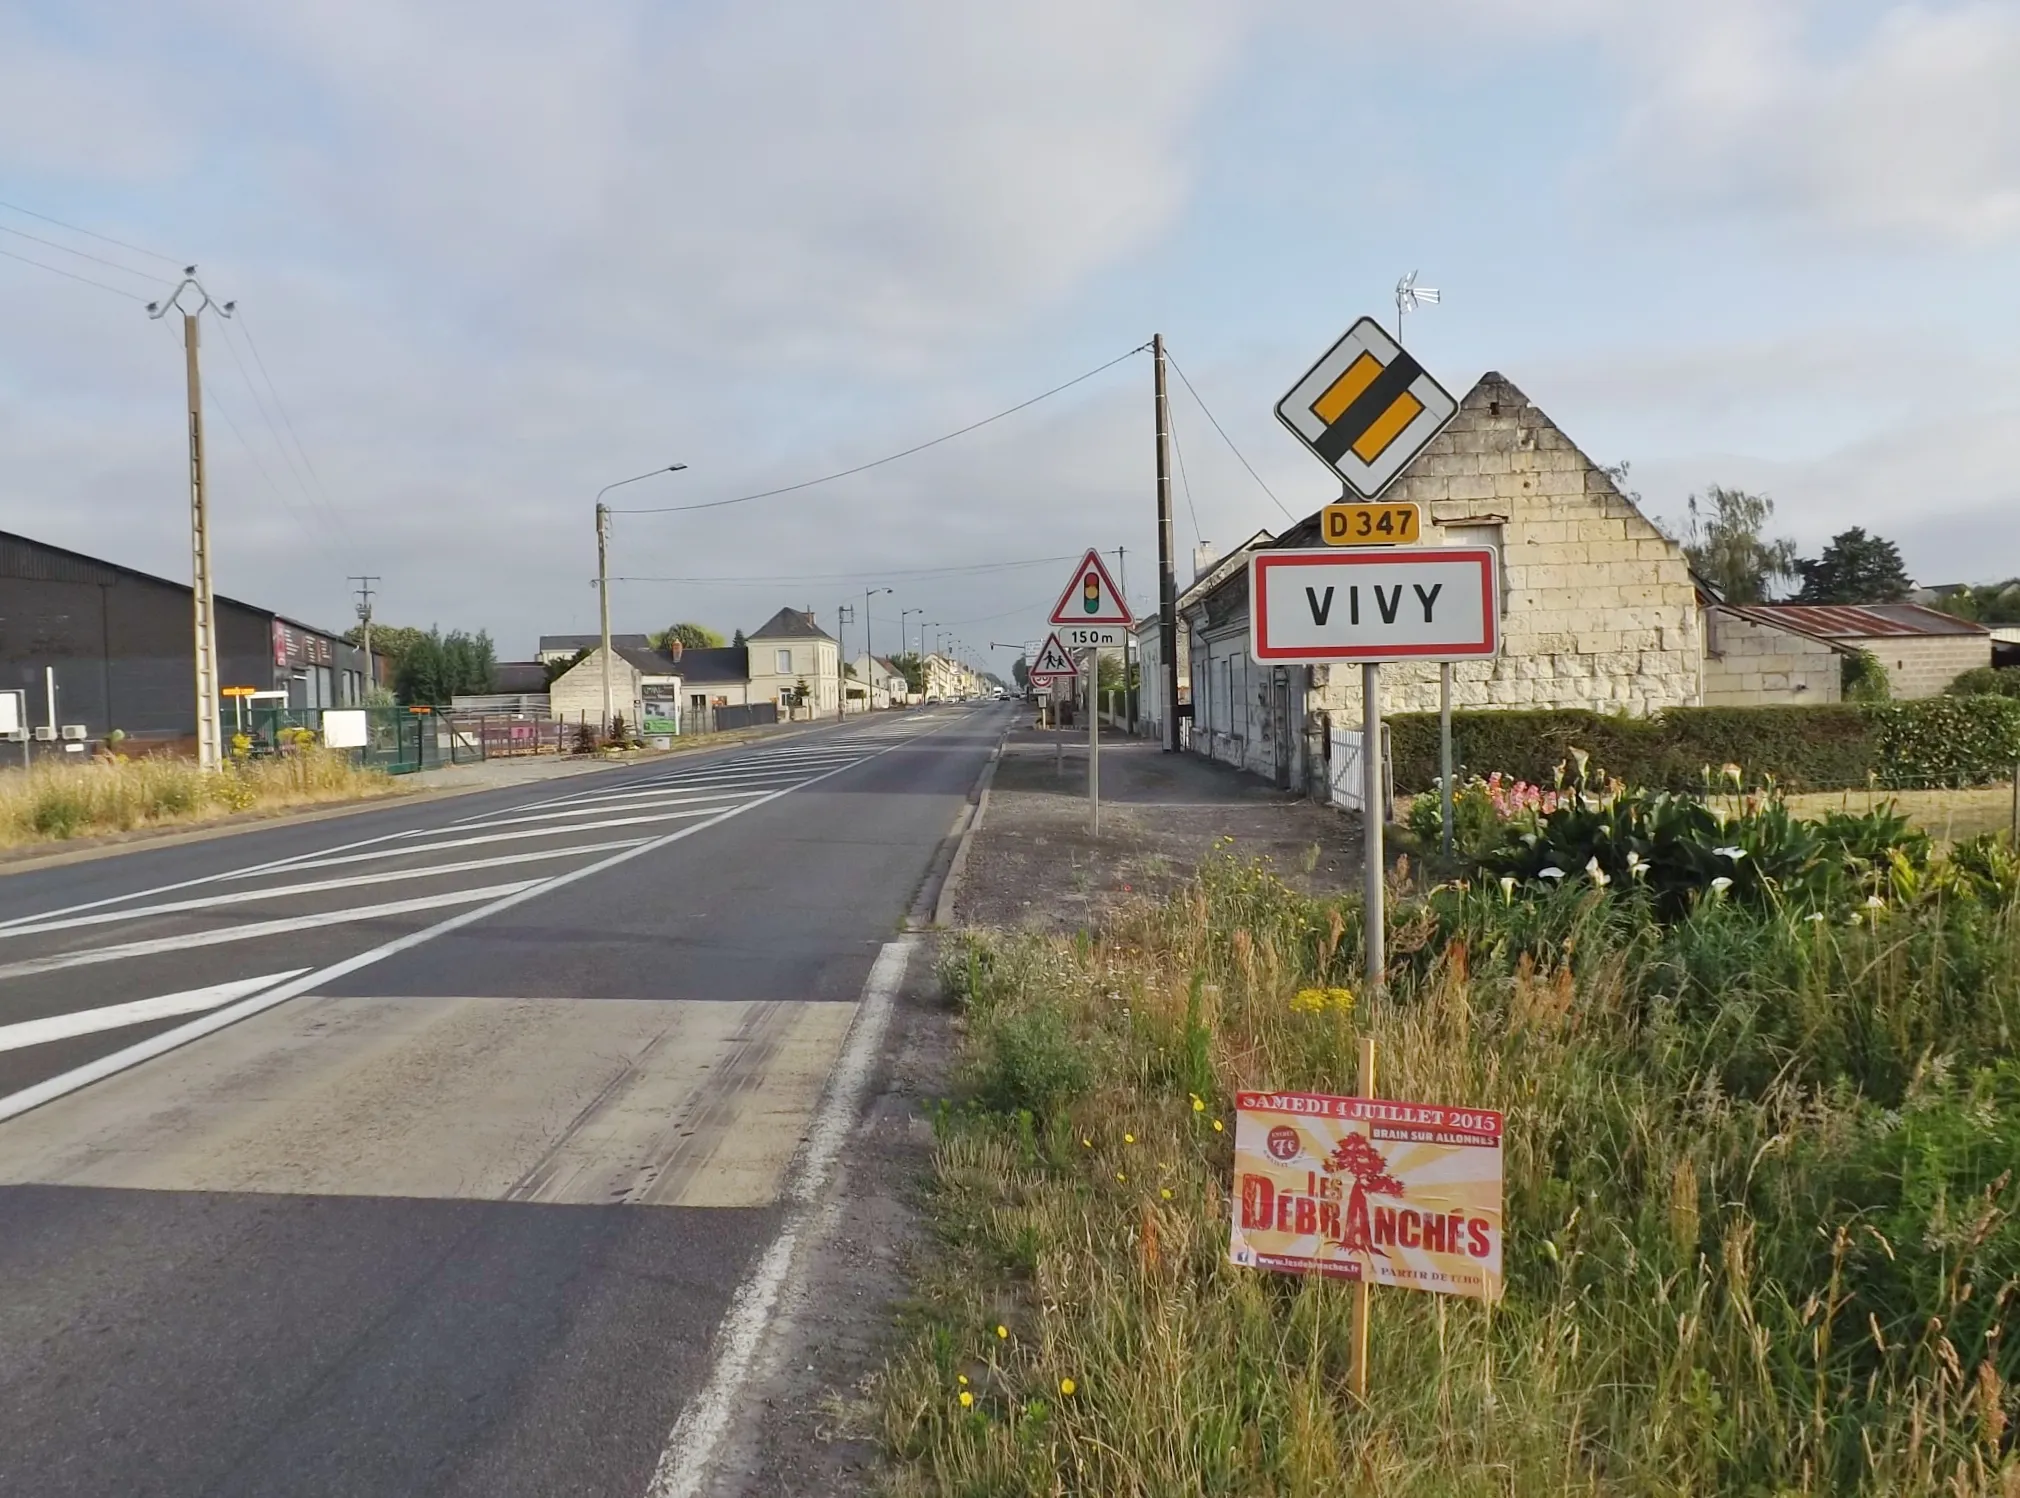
[(932, 699)]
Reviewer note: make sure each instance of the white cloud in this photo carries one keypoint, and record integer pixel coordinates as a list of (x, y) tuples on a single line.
[(1909, 130)]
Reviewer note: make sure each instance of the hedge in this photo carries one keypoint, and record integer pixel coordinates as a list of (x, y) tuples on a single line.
[(1938, 741)]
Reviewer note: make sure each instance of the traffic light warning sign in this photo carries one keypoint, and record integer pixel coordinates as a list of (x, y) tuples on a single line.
[(1091, 597)]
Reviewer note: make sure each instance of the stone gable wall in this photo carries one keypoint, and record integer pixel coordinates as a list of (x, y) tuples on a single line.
[(1600, 611)]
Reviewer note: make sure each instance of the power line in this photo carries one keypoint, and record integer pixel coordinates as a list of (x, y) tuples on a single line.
[(272, 430), (716, 504), (872, 572), (91, 234), (143, 275), (71, 274), (246, 329), (1225, 438), (1185, 482)]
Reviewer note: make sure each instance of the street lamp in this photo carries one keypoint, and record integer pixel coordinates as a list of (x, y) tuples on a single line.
[(869, 654), (603, 570), (904, 643)]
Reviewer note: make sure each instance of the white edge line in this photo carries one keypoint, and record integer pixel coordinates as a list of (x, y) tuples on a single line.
[(51, 1088), (697, 1437)]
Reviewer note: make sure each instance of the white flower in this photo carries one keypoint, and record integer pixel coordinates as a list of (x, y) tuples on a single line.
[(1735, 853), (1553, 872), (1874, 902), (1852, 919), (1507, 888), (1720, 885), (1598, 874), (1815, 915), (1637, 866)]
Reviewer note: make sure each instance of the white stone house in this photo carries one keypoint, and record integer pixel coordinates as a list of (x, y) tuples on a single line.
[(881, 683), (1922, 649), (1598, 606), (1210, 572), (645, 685), (790, 655)]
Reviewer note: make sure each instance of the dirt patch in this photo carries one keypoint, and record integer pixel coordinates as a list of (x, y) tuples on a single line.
[(1035, 863)]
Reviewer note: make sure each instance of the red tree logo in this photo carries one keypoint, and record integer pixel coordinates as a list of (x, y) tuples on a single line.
[(1355, 1156)]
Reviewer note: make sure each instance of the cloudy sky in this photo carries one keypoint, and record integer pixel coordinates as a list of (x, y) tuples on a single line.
[(496, 255)]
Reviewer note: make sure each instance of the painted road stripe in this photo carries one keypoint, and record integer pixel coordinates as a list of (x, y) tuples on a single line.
[(694, 807), (318, 886), (696, 1439), (90, 957), (118, 1016), (630, 801), (64, 1083)]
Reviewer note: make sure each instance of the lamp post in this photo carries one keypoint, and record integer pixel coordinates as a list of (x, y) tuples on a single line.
[(603, 571), (869, 656)]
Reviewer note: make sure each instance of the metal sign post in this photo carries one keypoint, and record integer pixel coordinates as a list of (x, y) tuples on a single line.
[(1093, 743), (1445, 751), (1371, 824)]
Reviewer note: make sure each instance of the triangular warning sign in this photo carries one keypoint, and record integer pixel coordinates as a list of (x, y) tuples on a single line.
[(1054, 660), (1091, 597)]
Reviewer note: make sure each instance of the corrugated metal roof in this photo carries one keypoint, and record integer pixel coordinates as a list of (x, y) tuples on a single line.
[(1868, 621)]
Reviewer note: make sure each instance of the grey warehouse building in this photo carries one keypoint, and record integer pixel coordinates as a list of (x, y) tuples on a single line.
[(122, 648)]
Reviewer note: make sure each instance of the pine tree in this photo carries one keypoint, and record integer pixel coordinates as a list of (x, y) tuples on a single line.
[(1855, 568)]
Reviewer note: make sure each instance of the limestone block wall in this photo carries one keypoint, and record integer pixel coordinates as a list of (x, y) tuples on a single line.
[(577, 694), (1923, 665), (1599, 608), (1748, 663)]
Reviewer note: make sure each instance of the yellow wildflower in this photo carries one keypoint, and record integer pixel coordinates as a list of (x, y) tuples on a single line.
[(1165, 1192), (1002, 1332), (1308, 1001), (1218, 1126), (1067, 1386), (966, 1399), (1129, 1139), (961, 1379), (1198, 1105), (1341, 999), (1121, 1177)]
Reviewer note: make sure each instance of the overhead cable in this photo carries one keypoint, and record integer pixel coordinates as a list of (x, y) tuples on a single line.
[(828, 478), (1224, 436)]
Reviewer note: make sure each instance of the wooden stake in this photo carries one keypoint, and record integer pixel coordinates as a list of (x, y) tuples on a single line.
[(1357, 1377)]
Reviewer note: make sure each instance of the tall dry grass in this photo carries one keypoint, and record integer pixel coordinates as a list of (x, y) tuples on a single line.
[(1758, 1196), (55, 801)]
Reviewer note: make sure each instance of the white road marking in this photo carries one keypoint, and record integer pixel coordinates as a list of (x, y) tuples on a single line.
[(29, 1032), (91, 956), (629, 804), (51, 1088), (691, 1448), (318, 886)]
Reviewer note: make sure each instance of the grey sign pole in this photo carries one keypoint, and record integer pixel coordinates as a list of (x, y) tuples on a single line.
[(1445, 751), (1093, 742), (1371, 820)]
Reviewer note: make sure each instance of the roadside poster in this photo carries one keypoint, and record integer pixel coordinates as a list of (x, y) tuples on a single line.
[(1369, 1189)]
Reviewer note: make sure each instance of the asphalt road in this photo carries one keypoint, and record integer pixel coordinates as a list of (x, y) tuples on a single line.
[(467, 1121)]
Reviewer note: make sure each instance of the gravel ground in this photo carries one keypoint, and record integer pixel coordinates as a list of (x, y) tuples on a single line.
[(1035, 864)]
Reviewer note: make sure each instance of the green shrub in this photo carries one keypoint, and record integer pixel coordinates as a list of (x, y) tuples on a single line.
[(1949, 741), (1987, 681)]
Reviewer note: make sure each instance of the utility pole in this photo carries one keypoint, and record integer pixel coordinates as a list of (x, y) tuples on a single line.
[(1128, 636), (845, 615), (365, 623), (870, 661), (603, 574), (1167, 576), (202, 600)]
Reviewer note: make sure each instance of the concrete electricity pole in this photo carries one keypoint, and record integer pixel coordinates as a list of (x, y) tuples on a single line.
[(203, 601), (845, 615), (603, 572), (365, 623), (1167, 576), (871, 661)]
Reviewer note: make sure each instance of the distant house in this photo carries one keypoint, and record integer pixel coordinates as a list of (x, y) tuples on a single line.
[(1922, 649), (718, 677), (796, 664), (645, 689), (881, 684), (555, 648), (517, 687), (1211, 573), (1754, 656)]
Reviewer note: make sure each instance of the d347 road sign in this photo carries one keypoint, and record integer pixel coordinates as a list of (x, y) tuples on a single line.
[(1091, 598), (1054, 660), (1431, 603), (1367, 408)]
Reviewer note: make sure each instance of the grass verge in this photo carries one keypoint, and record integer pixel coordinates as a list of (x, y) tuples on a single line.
[(54, 802), (1759, 1205)]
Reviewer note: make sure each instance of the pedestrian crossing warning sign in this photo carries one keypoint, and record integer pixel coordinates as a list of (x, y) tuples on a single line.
[(1053, 661), (1091, 597), (1367, 409)]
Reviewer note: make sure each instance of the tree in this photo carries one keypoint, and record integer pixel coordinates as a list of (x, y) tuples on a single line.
[(913, 669), (1020, 672), (691, 637), (738, 641), (558, 669), (1725, 539), (1855, 568), (392, 641), (437, 667), (1991, 604)]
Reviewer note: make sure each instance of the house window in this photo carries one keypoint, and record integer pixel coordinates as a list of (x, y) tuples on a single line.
[(783, 662)]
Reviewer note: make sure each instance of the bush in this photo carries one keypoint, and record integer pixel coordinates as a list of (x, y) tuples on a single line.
[(1987, 681), (1862, 678), (1950, 741)]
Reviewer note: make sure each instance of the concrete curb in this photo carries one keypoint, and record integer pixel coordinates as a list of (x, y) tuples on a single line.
[(966, 826)]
